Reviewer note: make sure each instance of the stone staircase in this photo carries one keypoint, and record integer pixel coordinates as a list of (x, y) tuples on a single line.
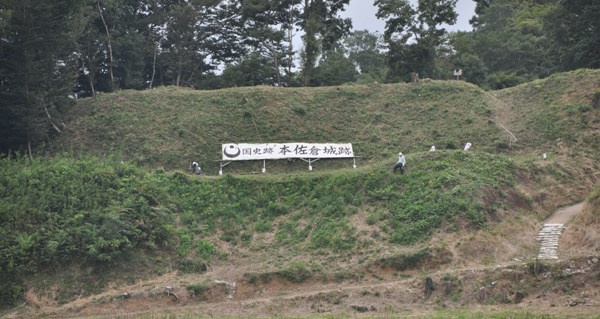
[(548, 237)]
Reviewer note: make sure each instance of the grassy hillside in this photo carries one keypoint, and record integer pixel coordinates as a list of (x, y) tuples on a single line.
[(559, 113), (96, 211), (170, 127), (114, 192)]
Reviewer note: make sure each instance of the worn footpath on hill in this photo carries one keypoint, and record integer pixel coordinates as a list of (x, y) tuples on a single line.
[(498, 277)]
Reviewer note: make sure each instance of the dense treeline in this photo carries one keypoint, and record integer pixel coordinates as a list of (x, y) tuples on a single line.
[(55, 49)]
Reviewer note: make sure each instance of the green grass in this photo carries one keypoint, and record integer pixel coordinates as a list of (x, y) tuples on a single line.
[(96, 210), (557, 109), (469, 314), (114, 187), (171, 127), (439, 314)]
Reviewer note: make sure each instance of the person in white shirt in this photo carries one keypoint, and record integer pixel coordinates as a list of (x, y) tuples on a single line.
[(195, 168), (400, 164)]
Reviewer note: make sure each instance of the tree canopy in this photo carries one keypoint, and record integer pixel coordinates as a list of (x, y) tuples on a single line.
[(414, 34), (55, 51)]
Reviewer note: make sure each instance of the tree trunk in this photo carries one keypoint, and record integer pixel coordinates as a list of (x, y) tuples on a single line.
[(179, 63), (189, 80), (29, 149), (277, 72), (290, 40), (90, 76), (110, 54), (310, 55), (50, 119), (276, 63), (311, 44), (153, 66)]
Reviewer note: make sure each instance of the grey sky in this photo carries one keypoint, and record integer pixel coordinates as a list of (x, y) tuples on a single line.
[(363, 17)]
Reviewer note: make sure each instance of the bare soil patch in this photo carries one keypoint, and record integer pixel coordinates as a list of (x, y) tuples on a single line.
[(567, 289), (565, 215)]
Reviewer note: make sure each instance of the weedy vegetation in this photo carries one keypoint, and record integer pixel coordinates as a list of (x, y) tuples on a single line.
[(114, 187)]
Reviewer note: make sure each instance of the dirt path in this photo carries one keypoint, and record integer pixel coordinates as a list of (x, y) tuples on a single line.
[(379, 292), (549, 235), (565, 214)]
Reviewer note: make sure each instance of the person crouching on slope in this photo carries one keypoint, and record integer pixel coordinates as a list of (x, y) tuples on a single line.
[(400, 164), (195, 168)]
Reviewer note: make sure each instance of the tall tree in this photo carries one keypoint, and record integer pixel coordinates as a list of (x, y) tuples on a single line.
[(509, 39), (7, 117), (253, 69), (335, 68), (90, 54), (413, 34), (38, 72), (108, 12), (466, 58), (266, 25), (480, 7), (125, 24), (322, 27), (5, 11), (110, 46), (367, 51), (200, 34), (574, 27)]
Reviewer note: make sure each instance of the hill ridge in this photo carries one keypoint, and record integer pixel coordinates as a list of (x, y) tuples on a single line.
[(115, 191)]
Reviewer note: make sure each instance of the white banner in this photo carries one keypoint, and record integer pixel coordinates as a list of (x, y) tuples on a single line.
[(245, 152)]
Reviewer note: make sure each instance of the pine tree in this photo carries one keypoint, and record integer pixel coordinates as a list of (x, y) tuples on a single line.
[(414, 34), (39, 68)]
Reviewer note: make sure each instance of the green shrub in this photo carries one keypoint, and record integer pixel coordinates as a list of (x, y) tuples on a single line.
[(371, 219), (254, 278), (87, 208), (596, 99), (11, 292), (263, 226), (297, 272), (503, 80), (192, 266), (335, 234), (451, 146), (205, 249), (197, 289), (55, 210), (430, 257)]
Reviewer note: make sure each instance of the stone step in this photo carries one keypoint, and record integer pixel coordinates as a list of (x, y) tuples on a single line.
[(549, 236)]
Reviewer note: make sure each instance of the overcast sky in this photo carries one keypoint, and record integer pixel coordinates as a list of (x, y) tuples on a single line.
[(363, 17)]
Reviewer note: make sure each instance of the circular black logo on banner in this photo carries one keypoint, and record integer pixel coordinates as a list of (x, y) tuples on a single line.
[(231, 151)]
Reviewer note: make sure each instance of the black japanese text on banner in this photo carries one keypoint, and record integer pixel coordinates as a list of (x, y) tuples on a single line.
[(245, 152)]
